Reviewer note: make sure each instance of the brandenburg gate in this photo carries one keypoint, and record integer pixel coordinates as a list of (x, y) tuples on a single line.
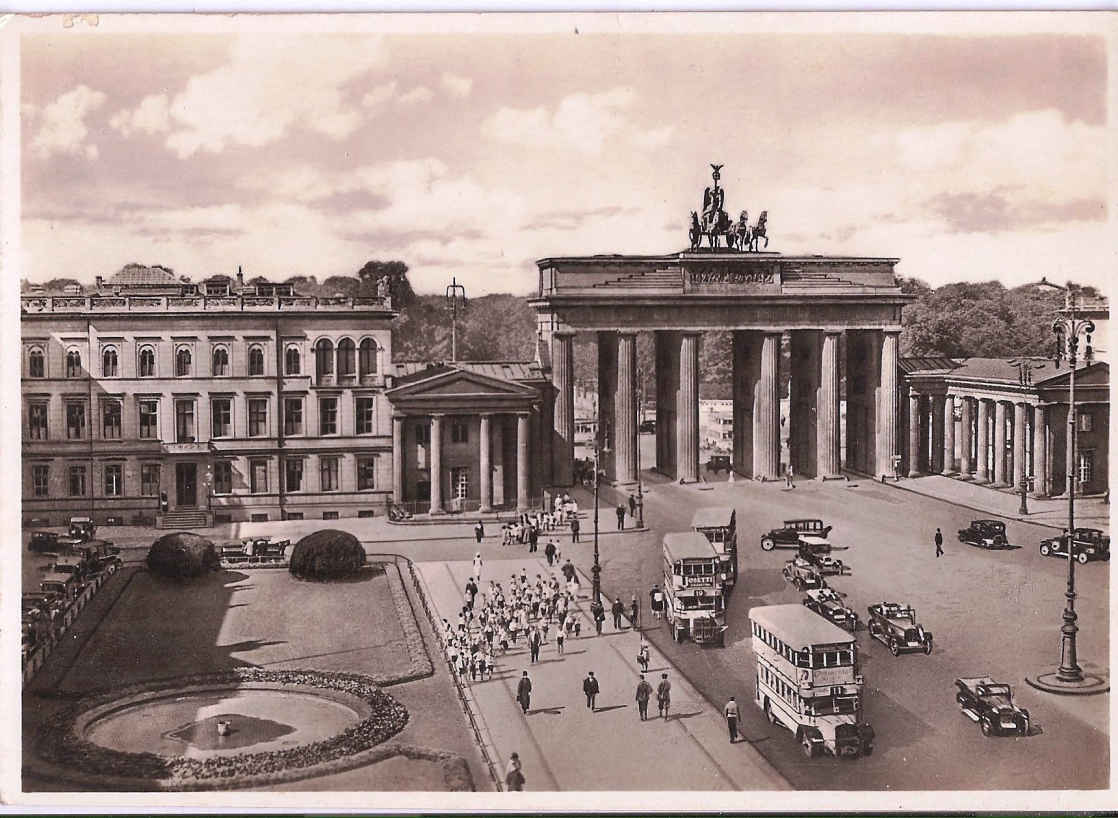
[(828, 305)]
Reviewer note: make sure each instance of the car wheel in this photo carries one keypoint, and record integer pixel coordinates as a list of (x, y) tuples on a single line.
[(927, 647), (1045, 550), (1081, 558), (987, 728), (960, 700), (893, 647), (767, 544)]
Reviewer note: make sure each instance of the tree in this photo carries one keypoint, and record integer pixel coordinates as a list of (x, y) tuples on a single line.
[(397, 272)]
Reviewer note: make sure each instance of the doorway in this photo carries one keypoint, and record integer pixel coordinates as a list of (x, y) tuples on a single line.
[(186, 485)]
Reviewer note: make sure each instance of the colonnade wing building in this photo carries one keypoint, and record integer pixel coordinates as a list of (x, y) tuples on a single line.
[(838, 311)]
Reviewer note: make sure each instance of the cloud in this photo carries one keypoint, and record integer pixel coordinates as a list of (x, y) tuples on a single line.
[(62, 128), (152, 115), (379, 95), (456, 85), (420, 93), (999, 211)]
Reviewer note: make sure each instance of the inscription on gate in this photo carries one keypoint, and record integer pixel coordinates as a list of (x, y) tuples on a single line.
[(754, 278)]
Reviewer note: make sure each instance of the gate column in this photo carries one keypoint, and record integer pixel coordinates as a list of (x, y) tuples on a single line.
[(1040, 452), (999, 443), (562, 374), (625, 409), (914, 399), (607, 394), (1020, 467), (886, 426), (982, 468), (827, 439), (949, 434), (966, 438), (687, 410), (766, 412)]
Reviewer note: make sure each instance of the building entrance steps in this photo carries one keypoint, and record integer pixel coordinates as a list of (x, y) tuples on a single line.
[(563, 745)]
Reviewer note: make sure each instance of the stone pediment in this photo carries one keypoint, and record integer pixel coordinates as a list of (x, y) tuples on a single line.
[(447, 388), (1097, 374)]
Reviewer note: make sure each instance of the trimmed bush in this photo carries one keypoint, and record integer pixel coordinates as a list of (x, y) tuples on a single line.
[(181, 555), (328, 554)]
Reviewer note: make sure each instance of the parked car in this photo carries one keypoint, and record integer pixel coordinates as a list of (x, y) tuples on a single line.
[(102, 555), (801, 574), (991, 704), (63, 586), (50, 541), (718, 462), (647, 427), (828, 603), (1090, 544), (255, 549), (789, 535), (817, 551), (82, 528), (894, 625), (984, 534)]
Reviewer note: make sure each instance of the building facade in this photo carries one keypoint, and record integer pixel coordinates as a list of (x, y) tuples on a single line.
[(156, 399)]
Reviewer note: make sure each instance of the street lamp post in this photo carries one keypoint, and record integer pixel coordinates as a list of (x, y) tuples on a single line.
[(455, 296), (1069, 676), (596, 571)]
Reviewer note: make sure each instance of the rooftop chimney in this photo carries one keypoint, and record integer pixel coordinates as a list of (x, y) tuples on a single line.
[(240, 277)]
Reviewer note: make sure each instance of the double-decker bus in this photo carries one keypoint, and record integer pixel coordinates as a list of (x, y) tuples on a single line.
[(808, 680), (719, 525), (696, 605)]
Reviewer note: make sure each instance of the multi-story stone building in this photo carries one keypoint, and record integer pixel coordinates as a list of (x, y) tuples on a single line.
[(151, 397)]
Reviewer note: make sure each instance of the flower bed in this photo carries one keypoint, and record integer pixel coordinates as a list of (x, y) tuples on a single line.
[(62, 744)]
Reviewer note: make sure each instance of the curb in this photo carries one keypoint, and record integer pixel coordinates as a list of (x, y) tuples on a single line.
[(976, 509)]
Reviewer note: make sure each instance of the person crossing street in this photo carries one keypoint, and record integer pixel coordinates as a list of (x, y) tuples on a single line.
[(524, 692), (644, 693), (730, 711), (590, 688), (664, 695), (939, 543)]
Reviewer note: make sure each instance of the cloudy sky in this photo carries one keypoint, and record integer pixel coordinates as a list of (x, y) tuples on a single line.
[(968, 157)]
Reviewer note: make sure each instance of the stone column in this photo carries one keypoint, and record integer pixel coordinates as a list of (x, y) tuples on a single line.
[(914, 440), (1040, 452), (935, 455), (485, 466), (667, 398), (966, 438), (437, 465), (982, 468), (607, 392), (887, 403), (949, 434), (397, 458), (522, 461), (625, 410), (827, 438), (806, 363), (563, 376), (1020, 467), (766, 412), (999, 443), (687, 410), (747, 369)]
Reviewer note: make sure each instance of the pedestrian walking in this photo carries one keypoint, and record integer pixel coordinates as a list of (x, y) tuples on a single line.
[(664, 695), (598, 611), (634, 611), (574, 529), (788, 475), (939, 543), (620, 517), (549, 552), (656, 601), (533, 538), (479, 530), (730, 711), (644, 693), (618, 611), (632, 506), (514, 775), (534, 641), (590, 688), (524, 692), (643, 655), (559, 637), (477, 564)]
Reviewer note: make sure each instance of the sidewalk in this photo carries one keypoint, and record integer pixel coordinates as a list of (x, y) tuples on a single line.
[(564, 746), (1052, 512)]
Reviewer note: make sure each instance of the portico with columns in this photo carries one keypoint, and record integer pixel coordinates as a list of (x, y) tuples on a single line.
[(838, 313)]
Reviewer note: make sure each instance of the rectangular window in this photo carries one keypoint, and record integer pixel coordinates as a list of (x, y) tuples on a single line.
[(423, 433), (37, 421), (40, 480), (184, 421), (221, 413), (110, 420), (293, 474), (292, 416), (114, 480), (77, 481), (149, 419), (366, 473), (259, 476), (459, 482), (258, 417), (1086, 422), (328, 473), (328, 416), (1086, 466), (75, 421), (149, 479), (459, 431), (365, 420), (223, 477)]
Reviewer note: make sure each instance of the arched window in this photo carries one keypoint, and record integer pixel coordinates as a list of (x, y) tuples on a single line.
[(347, 357), (220, 361), (109, 367), (255, 360), (73, 364), (183, 362), (36, 363), (367, 360), (324, 357), (291, 361), (147, 362)]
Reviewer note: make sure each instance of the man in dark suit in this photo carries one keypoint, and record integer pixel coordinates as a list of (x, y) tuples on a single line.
[(524, 692), (590, 688)]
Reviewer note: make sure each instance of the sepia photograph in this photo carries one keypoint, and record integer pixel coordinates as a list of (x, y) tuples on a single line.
[(558, 411)]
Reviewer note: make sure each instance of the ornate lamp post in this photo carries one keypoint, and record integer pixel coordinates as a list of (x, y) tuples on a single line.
[(455, 296), (600, 445), (1069, 676)]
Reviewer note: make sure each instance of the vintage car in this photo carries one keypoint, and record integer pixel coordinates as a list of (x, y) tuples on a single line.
[(718, 462), (102, 555), (895, 626), (61, 585), (789, 536), (647, 427), (801, 574), (991, 704), (984, 534), (50, 541), (82, 528), (1090, 544), (255, 550), (817, 551), (828, 603)]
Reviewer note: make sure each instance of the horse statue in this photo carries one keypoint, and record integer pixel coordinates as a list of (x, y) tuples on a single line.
[(759, 231), (696, 231), (741, 233)]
